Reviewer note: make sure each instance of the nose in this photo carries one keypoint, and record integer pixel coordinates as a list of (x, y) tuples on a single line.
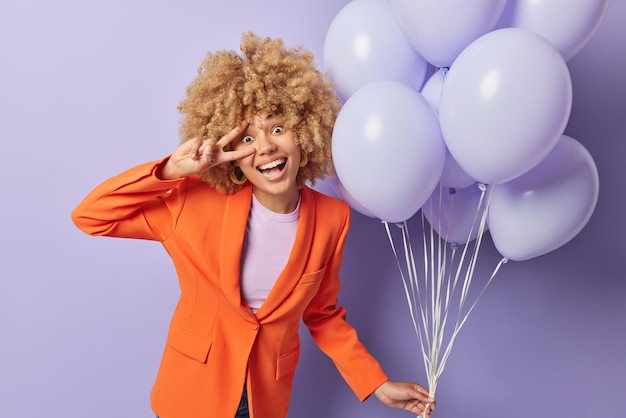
[(265, 145)]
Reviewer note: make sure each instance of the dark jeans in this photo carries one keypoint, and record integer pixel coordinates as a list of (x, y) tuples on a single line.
[(242, 410)]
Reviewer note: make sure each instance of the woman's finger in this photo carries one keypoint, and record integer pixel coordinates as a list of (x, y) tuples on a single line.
[(189, 148), (208, 150), (228, 138), (237, 155)]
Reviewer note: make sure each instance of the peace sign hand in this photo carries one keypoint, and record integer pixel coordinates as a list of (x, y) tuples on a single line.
[(197, 155)]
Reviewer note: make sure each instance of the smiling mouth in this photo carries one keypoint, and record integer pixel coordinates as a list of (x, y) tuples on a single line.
[(272, 168)]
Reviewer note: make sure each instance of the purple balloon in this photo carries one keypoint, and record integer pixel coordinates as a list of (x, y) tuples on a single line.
[(364, 44), (388, 150), (453, 175), (505, 102), (545, 208), (326, 187), (439, 30), (566, 24), (431, 90), (455, 213), (345, 196)]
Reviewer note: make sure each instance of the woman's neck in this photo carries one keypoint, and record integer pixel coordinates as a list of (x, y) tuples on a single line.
[(282, 203)]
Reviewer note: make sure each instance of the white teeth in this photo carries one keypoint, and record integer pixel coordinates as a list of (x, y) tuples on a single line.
[(272, 164)]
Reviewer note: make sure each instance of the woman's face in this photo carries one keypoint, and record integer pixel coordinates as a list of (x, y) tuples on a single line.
[(273, 167)]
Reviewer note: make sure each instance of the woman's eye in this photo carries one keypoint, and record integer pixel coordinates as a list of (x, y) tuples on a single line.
[(277, 129), (246, 139)]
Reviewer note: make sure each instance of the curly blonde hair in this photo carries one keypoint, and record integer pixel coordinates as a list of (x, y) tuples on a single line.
[(268, 77)]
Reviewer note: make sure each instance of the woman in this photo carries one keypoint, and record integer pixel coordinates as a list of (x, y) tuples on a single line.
[(254, 248)]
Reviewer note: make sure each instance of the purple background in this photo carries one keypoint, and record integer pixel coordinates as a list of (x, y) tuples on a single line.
[(90, 88)]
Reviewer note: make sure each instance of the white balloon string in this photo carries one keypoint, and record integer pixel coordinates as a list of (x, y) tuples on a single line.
[(472, 262), (432, 300), (414, 296), (495, 271), (408, 296), (413, 276), (406, 290), (424, 336), (468, 274)]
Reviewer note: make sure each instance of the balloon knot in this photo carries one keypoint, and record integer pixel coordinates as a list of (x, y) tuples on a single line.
[(482, 187)]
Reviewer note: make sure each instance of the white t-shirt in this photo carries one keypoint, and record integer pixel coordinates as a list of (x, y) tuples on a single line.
[(266, 249)]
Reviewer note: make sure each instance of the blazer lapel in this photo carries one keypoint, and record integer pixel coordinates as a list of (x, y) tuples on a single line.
[(233, 232), (298, 257)]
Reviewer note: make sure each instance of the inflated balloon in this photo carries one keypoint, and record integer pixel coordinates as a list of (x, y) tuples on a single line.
[(364, 43), (566, 24), (505, 102), (388, 150), (440, 30), (343, 194), (326, 187), (455, 213), (453, 175), (546, 207), (431, 90)]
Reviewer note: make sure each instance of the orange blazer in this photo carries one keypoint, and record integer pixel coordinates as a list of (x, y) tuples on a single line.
[(215, 343)]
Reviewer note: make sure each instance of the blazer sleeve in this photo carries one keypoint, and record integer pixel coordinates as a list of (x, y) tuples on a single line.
[(133, 204), (327, 324)]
